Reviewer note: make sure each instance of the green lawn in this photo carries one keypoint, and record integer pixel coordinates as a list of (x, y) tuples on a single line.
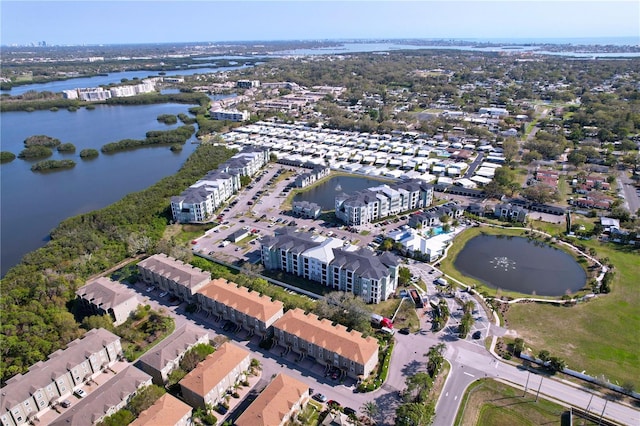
[(600, 336), (488, 402)]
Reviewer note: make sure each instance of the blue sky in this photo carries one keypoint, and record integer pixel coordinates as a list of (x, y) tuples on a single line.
[(111, 22)]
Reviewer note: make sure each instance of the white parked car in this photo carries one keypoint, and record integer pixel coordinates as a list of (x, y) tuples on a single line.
[(80, 393)]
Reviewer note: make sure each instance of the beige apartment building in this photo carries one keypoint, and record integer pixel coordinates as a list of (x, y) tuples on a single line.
[(245, 308), (308, 335), (165, 357), (278, 402), (102, 296), (209, 381), (178, 278), (26, 397)]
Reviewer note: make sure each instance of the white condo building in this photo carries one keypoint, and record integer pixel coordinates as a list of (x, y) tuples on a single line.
[(198, 202)]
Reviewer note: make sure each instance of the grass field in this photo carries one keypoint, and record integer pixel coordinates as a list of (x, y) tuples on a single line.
[(488, 402), (600, 336)]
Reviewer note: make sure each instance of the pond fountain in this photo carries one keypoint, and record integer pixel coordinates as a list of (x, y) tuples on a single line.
[(520, 264)]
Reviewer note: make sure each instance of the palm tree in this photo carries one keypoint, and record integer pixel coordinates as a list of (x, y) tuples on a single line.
[(370, 408)]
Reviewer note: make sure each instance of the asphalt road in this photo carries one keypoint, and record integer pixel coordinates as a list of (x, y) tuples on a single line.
[(630, 193)]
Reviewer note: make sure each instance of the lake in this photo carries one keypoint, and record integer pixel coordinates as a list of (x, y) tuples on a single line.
[(32, 204), (522, 265), (325, 193)]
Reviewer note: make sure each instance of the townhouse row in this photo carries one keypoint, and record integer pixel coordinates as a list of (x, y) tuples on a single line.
[(259, 315), (199, 202), (40, 395)]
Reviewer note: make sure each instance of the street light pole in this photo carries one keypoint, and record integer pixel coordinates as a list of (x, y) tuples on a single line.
[(538, 394), (589, 404), (526, 384), (602, 415)]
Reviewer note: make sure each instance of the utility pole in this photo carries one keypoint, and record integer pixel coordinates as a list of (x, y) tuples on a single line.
[(538, 393), (526, 384)]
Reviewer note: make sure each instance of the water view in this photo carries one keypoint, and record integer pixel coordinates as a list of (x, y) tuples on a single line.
[(104, 80), (522, 265), (325, 193), (348, 48), (34, 203)]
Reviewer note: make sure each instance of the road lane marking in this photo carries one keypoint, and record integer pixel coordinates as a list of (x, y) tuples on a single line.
[(455, 398), (447, 394), (469, 374)]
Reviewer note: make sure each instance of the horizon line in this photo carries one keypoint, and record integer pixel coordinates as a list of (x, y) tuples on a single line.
[(502, 40)]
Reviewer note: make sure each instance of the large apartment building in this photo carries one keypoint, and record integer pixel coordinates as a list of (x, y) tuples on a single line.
[(329, 262), (329, 345), (49, 382), (198, 202), (180, 279), (247, 309), (382, 201)]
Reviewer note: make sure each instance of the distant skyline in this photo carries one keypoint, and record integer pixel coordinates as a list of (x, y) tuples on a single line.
[(116, 22)]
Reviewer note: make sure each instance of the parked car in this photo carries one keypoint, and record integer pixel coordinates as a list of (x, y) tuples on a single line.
[(66, 403), (477, 335), (349, 410), (320, 397), (332, 403), (164, 293), (404, 330), (80, 393), (150, 289)]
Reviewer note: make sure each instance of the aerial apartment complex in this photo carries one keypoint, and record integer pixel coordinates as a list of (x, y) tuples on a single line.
[(198, 202), (382, 201), (329, 262)]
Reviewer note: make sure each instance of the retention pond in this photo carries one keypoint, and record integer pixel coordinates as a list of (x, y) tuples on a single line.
[(521, 265)]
